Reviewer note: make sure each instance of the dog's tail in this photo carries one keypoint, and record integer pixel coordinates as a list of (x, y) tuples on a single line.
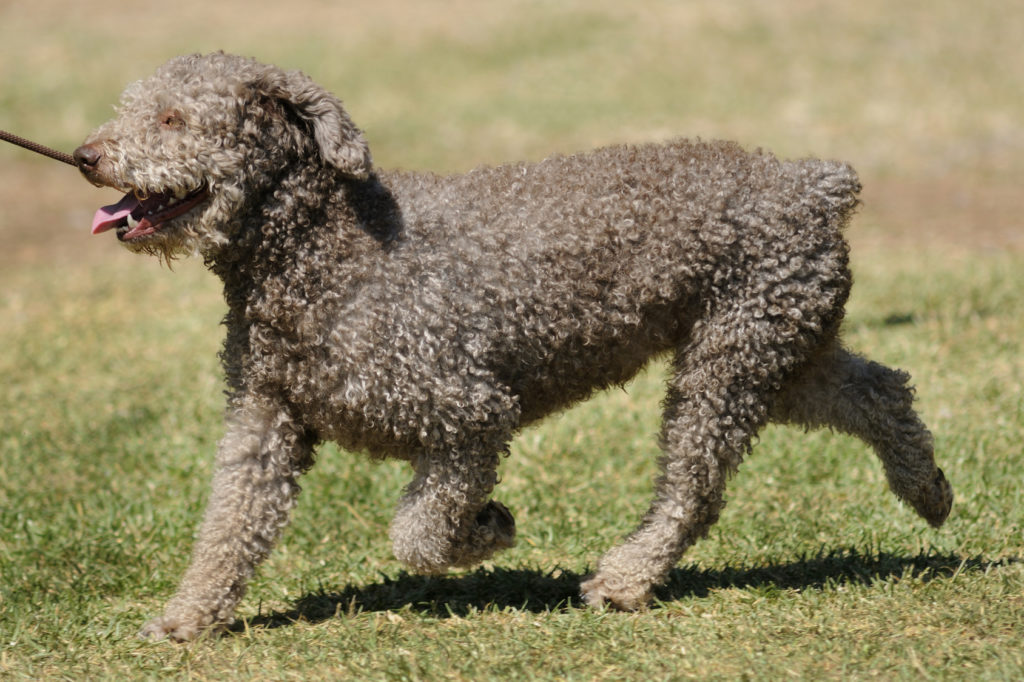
[(831, 188)]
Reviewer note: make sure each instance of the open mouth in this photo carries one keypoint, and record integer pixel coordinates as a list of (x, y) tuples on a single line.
[(134, 217)]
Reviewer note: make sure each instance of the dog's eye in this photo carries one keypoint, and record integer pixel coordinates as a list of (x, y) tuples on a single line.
[(172, 120)]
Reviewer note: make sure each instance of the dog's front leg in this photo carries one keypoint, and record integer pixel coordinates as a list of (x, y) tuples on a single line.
[(254, 487), (445, 519)]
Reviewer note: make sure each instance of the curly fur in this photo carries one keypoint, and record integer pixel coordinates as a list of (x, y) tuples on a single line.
[(430, 318)]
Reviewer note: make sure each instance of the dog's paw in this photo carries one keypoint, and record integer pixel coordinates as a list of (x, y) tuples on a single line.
[(494, 529), (176, 630), (496, 526), (603, 590), (935, 500)]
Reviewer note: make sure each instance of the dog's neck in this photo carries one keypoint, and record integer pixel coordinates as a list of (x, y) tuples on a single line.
[(336, 217), (329, 235)]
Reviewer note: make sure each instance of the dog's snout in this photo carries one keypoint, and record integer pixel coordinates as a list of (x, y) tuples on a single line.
[(87, 156)]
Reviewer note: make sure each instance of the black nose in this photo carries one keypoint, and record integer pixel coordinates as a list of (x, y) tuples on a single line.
[(87, 156)]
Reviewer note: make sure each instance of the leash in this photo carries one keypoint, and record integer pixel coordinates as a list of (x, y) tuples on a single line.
[(37, 148)]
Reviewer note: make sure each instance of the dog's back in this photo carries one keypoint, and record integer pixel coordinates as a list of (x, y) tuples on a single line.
[(559, 263)]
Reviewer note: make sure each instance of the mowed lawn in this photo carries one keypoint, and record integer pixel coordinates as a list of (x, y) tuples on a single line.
[(111, 396)]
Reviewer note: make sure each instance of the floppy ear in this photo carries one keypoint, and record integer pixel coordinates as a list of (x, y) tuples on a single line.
[(341, 143)]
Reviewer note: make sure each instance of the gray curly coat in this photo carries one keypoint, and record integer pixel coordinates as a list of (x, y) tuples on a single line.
[(430, 318)]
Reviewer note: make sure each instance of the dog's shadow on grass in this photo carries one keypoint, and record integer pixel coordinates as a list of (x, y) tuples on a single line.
[(539, 591)]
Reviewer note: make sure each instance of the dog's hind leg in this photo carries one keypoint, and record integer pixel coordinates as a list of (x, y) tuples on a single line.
[(718, 399), (254, 488), (872, 402)]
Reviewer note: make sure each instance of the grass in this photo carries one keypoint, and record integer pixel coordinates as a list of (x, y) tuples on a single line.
[(111, 414), (111, 397)]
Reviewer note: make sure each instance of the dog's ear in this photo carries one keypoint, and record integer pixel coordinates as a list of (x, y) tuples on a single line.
[(341, 143)]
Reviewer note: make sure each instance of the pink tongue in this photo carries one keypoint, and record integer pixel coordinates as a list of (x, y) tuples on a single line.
[(109, 216)]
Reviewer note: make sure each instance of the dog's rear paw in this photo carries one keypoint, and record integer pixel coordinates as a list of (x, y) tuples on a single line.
[(176, 630), (603, 590), (166, 628), (935, 500)]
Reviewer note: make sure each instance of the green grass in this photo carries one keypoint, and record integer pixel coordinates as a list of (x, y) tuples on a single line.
[(112, 408), (111, 397), (450, 84)]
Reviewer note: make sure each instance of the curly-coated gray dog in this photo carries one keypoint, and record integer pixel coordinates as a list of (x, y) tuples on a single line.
[(431, 318)]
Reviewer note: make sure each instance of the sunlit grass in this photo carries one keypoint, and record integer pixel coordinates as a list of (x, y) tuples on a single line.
[(112, 409), (112, 397)]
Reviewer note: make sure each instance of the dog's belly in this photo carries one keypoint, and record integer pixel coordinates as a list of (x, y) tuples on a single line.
[(582, 367), (565, 384)]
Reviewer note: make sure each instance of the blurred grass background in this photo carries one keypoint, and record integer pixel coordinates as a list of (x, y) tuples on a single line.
[(458, 83), (111, 395)]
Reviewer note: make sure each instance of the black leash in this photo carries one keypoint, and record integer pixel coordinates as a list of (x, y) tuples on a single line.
[(38, 148)]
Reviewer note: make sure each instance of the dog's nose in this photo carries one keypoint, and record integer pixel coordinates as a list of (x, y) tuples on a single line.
[(87, 156)]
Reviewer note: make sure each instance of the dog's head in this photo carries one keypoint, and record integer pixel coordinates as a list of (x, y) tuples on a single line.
[(192, 144)]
